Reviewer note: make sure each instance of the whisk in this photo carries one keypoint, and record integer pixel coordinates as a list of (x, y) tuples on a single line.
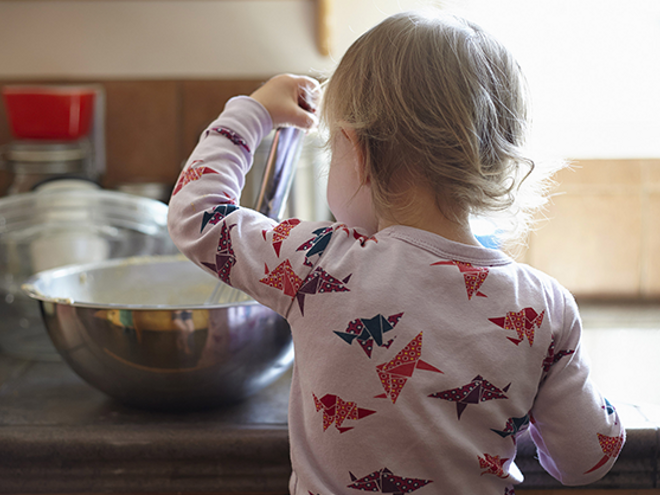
[(275, 186)]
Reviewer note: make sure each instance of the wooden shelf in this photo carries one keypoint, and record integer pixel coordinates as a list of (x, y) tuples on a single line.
[(323, 29)]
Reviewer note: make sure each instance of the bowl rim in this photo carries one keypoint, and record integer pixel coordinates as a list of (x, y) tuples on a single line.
[(30, 286), (152, 216)]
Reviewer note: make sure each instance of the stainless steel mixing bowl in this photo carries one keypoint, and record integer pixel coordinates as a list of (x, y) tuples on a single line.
[(138, 329)]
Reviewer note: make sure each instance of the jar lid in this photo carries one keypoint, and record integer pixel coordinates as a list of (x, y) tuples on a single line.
[(52, 168), (65, 183)]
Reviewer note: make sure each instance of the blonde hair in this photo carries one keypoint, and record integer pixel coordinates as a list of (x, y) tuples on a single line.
[(434, 100)]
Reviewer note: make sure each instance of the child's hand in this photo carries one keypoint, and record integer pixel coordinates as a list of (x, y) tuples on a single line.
[(290, 100)]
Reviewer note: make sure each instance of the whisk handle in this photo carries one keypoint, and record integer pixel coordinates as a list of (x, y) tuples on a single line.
[(279, 171)]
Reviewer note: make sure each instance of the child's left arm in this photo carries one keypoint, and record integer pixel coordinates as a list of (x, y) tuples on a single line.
[(577, 432)]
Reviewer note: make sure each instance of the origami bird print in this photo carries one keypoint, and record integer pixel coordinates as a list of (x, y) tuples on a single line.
[(224, 255), (370, 331), (395, 373), (232, 136), (385, 481), (317, 244), (219, 213), (320, 282), (336, 410), (192, 174), (610, 410), (283, 278), (281, 233), (552, 357), (513, 426), (474, 276), (609, 407), (493, 465), (523, 322), (478, 390), (611, 446), (362, 238)]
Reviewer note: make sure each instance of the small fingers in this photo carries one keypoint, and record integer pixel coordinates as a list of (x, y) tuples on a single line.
[(290, 100), (308, 99), (309, 93), (305, 119)]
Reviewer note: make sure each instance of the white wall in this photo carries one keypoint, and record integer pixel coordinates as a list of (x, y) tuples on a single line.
[(593, 65), (182, 39)]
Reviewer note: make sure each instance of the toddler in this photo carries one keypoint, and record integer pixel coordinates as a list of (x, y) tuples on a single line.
[(420, 355)]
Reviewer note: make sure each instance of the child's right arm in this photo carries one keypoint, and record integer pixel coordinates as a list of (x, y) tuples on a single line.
[(242, 247), (577, 432)]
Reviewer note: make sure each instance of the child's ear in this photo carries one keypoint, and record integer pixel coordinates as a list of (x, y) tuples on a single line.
[(360, 162)]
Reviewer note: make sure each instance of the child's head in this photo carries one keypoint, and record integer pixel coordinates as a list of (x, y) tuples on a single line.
[(433, 101)]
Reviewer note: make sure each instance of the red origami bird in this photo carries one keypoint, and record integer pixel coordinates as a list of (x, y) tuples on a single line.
[(493, 465), (394, 374), (611, 446), (281, 232), (363, 239), (523, 322), (318, 282), (474, 276), (190, 175), (283, 278), (336, 410)]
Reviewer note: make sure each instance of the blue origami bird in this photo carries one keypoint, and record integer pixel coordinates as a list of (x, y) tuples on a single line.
[(368, 331)]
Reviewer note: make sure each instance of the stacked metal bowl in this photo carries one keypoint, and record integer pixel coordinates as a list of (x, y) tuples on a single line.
[(65, 222)]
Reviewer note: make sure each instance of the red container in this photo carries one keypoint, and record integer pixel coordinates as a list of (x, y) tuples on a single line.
[(62, 113)]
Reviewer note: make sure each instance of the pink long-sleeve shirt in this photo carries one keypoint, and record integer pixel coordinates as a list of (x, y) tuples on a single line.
[(418, 360)]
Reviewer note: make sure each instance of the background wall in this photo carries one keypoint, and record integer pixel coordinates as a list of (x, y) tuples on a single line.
[(593, 68), (593, 65), (168, 67), (175, 39)]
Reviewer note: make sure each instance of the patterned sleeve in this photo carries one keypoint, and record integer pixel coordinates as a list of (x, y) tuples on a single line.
[(577, 432), (247, 250)]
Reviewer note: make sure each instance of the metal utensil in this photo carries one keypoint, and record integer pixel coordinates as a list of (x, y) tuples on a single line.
[(275, 187)]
